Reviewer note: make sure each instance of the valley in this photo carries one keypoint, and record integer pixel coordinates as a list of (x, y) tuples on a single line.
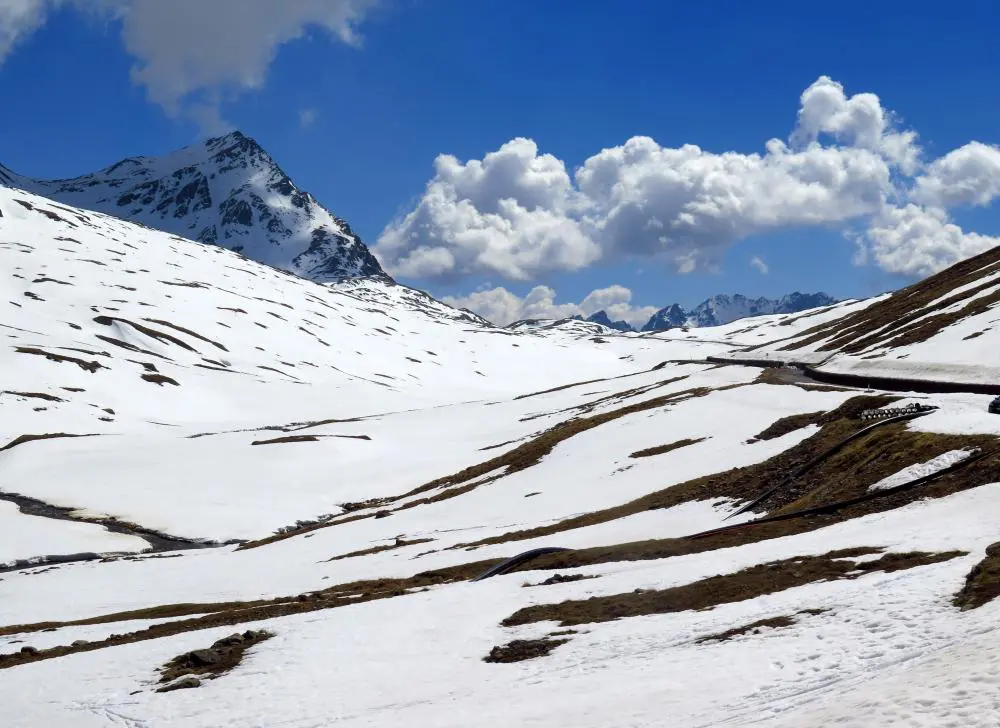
[(232, 496)]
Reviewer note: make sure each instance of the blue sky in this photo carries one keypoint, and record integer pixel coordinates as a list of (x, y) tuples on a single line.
[(432, 77)]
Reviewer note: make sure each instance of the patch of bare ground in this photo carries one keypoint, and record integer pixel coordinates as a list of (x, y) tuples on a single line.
[(87, 366), (35, 395), (519, 458), (400, 543), (982, 585), (785, 425), (21, 439), (756, 627), (521, 650), (189, 332), (664, 449), (153, 333), (160, 379), (563, 579), (288, 438), (913, 314), (749, 583), (212, 662)]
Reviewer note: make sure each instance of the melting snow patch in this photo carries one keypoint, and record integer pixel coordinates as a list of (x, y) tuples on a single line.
[(921, 470)]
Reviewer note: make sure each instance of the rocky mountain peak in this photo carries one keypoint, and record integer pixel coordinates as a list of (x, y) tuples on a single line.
[(225, 191)]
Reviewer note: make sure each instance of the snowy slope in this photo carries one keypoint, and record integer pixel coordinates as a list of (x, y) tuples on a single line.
[(943, 328), (396, 437), (226, 191)]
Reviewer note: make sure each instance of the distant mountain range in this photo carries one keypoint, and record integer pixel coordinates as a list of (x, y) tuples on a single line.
[(226, 191), (718, 310)]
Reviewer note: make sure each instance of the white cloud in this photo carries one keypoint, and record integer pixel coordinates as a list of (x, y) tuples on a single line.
[(918, 241), (190, 54), (759, 265), (503, 307), (510, 214), (519, 213), (969, 175), (18, 19), (307, 117), (859, 121), (847, 164)]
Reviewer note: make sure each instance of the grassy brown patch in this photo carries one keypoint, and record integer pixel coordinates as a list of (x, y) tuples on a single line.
[(749, 583), (521, 650), (664, 449), (35, 395), (21, 439), (153, 333), (563, 579), (785, 425), (214, 661), (400, 543), (287, 438), (87, 366), (755, 627), (982, 585), (160, 379)]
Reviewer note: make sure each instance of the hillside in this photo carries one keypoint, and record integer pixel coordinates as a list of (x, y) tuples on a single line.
[(252, 499), (942, 328), (226, 191)]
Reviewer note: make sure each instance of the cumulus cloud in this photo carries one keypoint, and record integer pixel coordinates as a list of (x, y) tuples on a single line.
[(759, 265), (19, 19), (969, 175), (919, 241), (847, 164), (511, 214), (190, 54), (503, 307), (518, 212)]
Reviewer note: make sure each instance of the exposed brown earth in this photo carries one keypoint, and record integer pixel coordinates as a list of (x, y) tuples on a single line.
[(563, 579), (786, 425), (740, 586), (35, 395), (664, 449), (982, 585), (520, 650), (87, 366), (22, 439), (756, 627), (400, 543), (288, 438)]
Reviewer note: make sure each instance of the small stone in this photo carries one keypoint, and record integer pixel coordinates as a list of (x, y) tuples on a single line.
[(80, 643), (182, 684), (28, 650)]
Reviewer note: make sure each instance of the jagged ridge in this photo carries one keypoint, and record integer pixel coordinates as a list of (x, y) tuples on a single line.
[(226, 191)]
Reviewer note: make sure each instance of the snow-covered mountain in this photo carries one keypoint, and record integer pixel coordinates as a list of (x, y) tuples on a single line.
[(719, 310), (226, 191), (375, 451), (602, 318)]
